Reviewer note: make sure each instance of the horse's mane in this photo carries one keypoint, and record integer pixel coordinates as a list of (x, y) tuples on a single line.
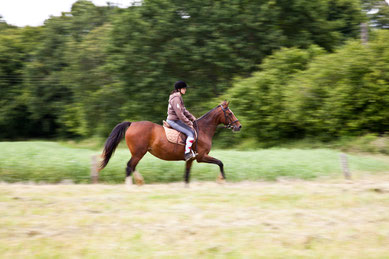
[(205, 115)]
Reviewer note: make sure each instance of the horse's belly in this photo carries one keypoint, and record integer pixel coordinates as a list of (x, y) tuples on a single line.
[(171, 152)]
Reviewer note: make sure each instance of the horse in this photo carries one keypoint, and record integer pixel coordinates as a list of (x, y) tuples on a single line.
[(145, 136)]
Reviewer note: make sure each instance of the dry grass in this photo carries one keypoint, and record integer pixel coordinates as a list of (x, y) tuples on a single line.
[(329, 218)]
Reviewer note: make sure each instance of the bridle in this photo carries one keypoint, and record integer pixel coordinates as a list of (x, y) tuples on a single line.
[(227, 117)]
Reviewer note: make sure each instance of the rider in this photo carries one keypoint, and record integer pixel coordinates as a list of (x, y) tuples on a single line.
[(179, 118)]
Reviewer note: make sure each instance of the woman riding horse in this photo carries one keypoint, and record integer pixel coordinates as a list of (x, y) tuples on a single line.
[(180, 118), (145, 136)]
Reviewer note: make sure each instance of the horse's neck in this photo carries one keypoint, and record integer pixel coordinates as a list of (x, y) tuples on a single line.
[(208, 123)]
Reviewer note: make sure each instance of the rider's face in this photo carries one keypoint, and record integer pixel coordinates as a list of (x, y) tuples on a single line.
[(183, 90)]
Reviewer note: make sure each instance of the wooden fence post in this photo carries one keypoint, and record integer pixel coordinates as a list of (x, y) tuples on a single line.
[(94, 172), (345, 168)]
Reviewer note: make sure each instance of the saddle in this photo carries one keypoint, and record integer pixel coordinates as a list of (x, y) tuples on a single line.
[(174, 136)]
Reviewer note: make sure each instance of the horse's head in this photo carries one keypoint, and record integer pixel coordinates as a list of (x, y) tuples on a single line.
[(229, 118)]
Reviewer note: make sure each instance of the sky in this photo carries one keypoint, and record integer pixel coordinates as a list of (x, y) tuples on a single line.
[(35, 12)]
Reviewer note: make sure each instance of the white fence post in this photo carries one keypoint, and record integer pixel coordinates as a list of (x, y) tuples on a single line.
[(94, 172), (345, 168)]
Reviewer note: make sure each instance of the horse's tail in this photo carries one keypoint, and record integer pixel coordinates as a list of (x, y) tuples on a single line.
[(113, 141)]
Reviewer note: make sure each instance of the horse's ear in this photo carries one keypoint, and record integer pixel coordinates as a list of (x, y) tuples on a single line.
[(225, 104)]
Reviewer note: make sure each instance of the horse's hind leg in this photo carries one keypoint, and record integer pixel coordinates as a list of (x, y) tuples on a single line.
[(129, 173), (131, 165)]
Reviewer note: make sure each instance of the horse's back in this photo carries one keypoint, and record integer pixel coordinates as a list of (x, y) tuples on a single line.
[(142, 128), (142, 133), (143, 136)]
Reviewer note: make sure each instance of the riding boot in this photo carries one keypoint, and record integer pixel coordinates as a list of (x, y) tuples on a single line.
[(188, 156)]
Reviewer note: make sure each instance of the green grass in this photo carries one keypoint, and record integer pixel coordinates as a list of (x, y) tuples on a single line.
[(52, 162), (370, 143), (323, 218)]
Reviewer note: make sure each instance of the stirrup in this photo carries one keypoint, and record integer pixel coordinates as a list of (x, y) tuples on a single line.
[(190, 155)]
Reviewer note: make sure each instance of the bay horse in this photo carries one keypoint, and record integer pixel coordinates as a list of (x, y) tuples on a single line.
[(145, 136)]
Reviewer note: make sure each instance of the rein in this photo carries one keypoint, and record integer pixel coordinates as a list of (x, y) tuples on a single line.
[(229, 125), (196, 128)]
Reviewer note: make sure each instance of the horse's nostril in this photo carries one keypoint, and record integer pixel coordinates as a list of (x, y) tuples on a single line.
[(240, 126)]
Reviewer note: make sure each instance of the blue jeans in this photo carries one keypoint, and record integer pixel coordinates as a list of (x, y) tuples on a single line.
[(181, 127)]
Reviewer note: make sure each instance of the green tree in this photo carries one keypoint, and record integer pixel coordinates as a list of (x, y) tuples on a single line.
[(208, 43), (299, 93), (86, 17), (15, 47), (377, 12), (380, 19), (262, 99), (47, 93), (90, 83), (86, 70), (53, 78), (346, 93), (327, 23)]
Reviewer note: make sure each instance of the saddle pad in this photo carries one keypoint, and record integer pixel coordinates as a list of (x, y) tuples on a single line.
[(175, 136)]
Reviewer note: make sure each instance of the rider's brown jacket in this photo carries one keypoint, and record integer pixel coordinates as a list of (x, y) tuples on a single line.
[(176, 110)]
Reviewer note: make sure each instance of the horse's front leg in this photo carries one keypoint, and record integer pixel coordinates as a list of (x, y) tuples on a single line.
[(212, 160), (188, 166)]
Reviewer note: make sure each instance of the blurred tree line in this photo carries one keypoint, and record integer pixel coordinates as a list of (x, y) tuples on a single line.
[(291, 68)]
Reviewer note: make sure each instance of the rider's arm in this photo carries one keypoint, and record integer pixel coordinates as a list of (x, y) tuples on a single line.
[(178, 109), (189, 115)]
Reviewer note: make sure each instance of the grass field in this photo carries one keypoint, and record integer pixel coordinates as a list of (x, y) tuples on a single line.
[(323, 218), (52, 162)]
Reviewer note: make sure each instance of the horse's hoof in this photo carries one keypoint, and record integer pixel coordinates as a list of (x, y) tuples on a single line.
[(128, 181), (221, 180), (139, 182), (138, 179)]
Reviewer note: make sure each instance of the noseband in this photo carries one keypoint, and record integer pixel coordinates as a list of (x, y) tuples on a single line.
[(229, 125)]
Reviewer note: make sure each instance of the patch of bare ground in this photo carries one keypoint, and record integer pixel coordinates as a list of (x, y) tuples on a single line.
[(288, 218)]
